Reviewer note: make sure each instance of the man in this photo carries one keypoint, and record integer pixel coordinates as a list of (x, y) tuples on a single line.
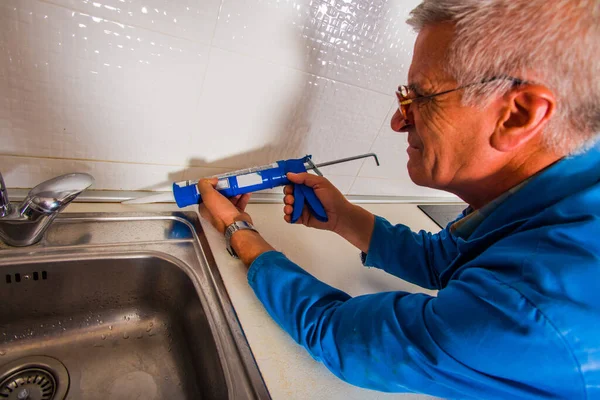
[(502, 109)]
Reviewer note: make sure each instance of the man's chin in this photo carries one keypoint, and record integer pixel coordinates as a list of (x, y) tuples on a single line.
[(417, 173)]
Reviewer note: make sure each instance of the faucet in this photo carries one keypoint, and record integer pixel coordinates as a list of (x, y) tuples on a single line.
[(26, 224)]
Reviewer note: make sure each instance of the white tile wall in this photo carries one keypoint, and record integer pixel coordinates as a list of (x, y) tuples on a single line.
[(190, 19), (364, 43), (253, 111), (144, 92)]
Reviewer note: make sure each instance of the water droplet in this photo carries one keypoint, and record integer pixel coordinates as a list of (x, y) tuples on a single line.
[(140, 335), (100, 321), (103, 336), (2, 352), (166, 378), (110, 327), (41, 325), (125, 335)]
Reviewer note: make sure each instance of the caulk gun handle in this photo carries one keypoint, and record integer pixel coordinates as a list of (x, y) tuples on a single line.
[(306, 195)]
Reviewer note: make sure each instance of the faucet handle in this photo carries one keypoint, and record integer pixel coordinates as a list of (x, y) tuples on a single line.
[(54, 194), (5, 207)]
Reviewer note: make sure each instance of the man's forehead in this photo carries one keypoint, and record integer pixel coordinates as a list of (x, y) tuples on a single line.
[(430, 53)]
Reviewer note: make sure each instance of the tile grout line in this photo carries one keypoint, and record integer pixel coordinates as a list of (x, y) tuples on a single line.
[(214, 32), (107, 161), (371, 147), (201, 89)]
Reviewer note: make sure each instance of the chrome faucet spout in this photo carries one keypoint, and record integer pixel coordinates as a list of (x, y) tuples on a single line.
[(26, 224)]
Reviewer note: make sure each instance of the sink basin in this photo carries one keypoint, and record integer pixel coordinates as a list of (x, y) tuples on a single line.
[(120, 307)]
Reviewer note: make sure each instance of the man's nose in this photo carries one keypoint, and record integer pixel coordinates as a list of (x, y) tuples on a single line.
[(398, 123)]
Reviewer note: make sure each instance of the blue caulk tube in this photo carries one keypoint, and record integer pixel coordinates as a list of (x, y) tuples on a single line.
[(240, 182)]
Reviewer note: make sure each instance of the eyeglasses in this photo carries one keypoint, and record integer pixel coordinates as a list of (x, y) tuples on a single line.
[(406, 95)]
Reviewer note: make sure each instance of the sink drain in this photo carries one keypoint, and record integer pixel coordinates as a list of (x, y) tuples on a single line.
[(34, 378)]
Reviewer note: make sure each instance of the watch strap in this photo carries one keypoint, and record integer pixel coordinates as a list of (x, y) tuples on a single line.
[(231, 229)]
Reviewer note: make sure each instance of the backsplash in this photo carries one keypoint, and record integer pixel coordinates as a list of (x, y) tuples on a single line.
[(140, 93)]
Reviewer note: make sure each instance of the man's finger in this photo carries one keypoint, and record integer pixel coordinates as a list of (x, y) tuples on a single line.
[(288, 199), (288, 189), (305, 178), (206, 186), (243, 201)]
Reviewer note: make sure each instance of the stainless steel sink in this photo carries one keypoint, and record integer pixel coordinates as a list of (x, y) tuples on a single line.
[(113, 306)]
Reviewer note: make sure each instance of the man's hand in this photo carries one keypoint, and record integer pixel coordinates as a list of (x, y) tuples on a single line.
[(222, 212), (350, 221), (219, 210), (335, 204)]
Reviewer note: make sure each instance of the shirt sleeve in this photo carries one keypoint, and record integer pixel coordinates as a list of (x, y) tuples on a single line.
[(418, 258), (461, 344)]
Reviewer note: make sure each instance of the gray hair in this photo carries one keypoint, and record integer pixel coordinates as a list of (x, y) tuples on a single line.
[(556, 42)]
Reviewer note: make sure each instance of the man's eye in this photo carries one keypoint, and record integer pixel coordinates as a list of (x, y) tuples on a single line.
[(417, 91)]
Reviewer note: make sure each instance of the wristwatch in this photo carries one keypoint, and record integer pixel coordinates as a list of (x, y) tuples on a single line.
[(236, 226)]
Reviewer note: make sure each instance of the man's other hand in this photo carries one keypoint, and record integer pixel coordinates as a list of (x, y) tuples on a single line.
[(218, 209)]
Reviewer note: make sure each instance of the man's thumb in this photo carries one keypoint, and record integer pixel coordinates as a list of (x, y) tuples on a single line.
[(304, 178), (205, 185)]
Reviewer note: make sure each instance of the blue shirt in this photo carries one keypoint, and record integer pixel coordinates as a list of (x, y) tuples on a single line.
[(517, 314), (470, 219)]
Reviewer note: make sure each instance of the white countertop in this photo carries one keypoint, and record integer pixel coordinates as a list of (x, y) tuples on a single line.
[(288, 370)]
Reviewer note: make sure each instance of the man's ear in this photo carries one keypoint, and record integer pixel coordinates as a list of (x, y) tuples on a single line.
[(526, 111)]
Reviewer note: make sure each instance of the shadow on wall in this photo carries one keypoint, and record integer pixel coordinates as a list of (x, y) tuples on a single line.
[(188, 172)]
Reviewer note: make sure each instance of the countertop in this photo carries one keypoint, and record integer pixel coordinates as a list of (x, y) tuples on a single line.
[(288, 370)]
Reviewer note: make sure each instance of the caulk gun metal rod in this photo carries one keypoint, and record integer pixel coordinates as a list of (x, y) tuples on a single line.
[(342, 160)]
